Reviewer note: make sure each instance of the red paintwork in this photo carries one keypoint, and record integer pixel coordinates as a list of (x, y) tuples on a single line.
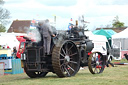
[(89, 53), (20, 39)]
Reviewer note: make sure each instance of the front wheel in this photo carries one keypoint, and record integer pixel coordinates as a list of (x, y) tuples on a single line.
[(96, 63), (35, 74)]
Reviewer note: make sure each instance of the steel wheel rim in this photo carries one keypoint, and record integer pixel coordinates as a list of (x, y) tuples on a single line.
[(65, 59), (69, 60), (96, 63)]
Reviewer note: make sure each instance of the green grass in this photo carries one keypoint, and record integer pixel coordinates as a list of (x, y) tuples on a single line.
[(121, 61), (111, 76)]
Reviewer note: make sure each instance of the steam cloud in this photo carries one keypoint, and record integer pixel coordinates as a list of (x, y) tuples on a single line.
[(35, 35)]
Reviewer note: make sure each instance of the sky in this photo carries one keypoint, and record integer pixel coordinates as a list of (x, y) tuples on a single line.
[(99, 13)]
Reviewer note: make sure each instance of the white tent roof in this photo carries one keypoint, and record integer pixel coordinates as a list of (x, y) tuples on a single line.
[(123, 34), (10, 41), (12, 34), (93, 37), (99, 38)]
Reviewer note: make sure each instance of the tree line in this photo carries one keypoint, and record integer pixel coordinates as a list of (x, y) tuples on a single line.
[(4, 16)]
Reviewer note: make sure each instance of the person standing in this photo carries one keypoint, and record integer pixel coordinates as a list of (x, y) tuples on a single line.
[(47, 34), (14, 52)]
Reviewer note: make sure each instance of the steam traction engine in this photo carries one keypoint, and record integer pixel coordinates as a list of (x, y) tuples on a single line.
[(70, 50)]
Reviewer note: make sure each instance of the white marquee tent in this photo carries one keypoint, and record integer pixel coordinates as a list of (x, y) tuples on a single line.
[(121, 39), (10, 41)]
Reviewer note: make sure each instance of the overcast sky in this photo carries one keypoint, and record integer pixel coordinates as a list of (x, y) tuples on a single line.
[(98, 12)]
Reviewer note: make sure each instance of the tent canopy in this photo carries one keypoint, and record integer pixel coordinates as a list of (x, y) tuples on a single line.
[(123, 34), (93, 37), (107, 33), (10, 41)]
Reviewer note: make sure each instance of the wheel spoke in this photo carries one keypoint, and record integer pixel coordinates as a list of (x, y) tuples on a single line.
[(62, 59), (100, 62), (73, 62), (67, 71), (62, 54), (70, 48), (73, 54), (62, 67), (99, 59), (71, 68), (93, 64), (96, 69), (63, 51), (71, 58), (66, 48), (62, 64)]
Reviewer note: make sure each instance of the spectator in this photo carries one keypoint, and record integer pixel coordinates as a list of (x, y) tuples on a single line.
[(21, 50), (14, 52), (3, 47)]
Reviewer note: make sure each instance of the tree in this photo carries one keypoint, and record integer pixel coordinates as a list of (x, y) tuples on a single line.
[(117, 23), (1, 2), (2, 28), (4, 16)]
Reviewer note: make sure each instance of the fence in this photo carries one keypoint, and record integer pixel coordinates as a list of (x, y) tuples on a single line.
[(1, 68), (16, 67)]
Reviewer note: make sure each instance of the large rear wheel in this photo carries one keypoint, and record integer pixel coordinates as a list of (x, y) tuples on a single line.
[(65, 59)]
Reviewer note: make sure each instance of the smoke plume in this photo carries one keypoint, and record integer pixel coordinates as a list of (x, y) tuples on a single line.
[(34, 34)]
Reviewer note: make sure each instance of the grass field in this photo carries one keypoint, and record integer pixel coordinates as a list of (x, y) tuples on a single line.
[(117, 75)]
